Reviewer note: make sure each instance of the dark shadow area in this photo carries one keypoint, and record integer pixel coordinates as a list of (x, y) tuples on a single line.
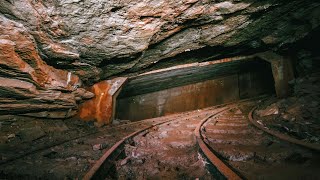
[(192, 88)]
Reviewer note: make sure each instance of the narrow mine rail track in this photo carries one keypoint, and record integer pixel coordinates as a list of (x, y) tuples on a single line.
[(64, 153), (220, 142), (114, 152), (52, 155), (104, 165), (217, 166), (236, 147), (148, 137)]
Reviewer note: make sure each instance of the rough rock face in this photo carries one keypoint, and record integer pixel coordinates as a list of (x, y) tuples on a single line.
[(96, 39), (27, 84)]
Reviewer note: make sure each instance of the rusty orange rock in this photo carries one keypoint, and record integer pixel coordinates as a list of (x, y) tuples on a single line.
[(28, 86), (19, 52), (101, 107)]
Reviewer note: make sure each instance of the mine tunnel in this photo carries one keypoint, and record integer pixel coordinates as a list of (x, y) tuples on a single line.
[(191, 87), (159, 89)]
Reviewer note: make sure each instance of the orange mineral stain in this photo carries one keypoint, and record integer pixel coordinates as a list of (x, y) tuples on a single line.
[(100, 107)]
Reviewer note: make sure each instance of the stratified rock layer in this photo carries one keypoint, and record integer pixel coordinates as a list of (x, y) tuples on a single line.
[(27, 84), (108, 37), (99, 39)]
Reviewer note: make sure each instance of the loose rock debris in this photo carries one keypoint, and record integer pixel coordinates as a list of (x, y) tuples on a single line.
[(296, 116)]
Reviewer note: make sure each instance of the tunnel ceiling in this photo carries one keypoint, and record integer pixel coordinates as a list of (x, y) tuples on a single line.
[(47, 48)]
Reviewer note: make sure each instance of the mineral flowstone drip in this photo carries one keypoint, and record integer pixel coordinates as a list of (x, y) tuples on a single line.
[(102, 107), (41, 41)]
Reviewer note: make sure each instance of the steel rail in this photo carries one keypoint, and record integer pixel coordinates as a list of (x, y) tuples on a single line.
[(281, 136), (223, 170)]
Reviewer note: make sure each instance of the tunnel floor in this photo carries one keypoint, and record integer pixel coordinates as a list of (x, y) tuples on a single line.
[(34, 148)]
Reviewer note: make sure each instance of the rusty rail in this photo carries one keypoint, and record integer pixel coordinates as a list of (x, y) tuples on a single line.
[(223, 169), (280, 135), (97, 169)]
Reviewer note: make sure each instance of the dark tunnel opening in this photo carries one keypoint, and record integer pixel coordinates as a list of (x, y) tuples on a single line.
[(176, 92)]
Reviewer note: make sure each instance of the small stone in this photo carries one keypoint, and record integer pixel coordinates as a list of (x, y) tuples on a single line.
[(260, 122), (71, 159), (115, 122), (59, 160), (270, 110), (286, 116), (97, 147), (163, 134), (238, 112), (11, 136), (125, 161)]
